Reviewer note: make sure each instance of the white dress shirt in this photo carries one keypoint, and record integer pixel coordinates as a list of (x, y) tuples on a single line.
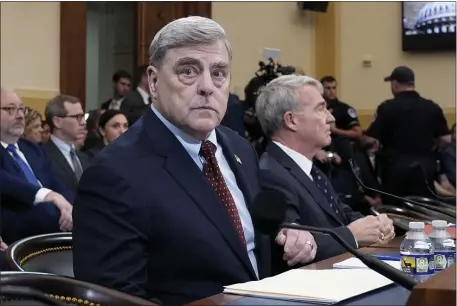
[(116, 104), (65, 148), (192, 146), (145, 95), (301, 160), (42, 192)]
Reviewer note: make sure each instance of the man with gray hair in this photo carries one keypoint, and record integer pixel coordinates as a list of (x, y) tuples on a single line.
[(173, 223), (33, 202), (293, 114)]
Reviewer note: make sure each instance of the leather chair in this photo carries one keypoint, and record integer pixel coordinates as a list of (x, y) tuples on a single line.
[(48, 253), (438, 209), (24, 296), (69, 291), (400, 216)]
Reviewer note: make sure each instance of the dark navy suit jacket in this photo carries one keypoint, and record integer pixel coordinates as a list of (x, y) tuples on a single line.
[(147, 222), (306, 204), (19, 217)]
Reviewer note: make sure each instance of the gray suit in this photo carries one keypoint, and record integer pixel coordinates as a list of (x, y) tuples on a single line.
[(306, 203), (61, 168)]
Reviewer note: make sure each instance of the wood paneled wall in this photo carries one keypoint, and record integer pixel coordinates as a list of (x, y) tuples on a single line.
[(152, 16), (73, 26)]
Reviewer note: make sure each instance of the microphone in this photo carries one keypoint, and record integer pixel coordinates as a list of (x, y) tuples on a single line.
[(346, 153), (269, 211)]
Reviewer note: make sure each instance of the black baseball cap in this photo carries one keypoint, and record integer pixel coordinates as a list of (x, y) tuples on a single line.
[(401, 74)]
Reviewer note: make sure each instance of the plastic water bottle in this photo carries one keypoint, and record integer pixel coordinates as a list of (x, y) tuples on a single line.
[(417, 253), (444, 245)]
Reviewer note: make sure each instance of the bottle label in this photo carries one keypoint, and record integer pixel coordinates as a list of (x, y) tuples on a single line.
[(444, 259), (420, 264)]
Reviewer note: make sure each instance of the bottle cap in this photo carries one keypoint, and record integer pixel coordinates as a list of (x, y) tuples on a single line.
[(416, 225), (439, 223)]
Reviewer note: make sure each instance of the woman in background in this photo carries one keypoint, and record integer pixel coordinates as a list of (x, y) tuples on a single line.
[(46, 131), (111, 125), (33, 130)]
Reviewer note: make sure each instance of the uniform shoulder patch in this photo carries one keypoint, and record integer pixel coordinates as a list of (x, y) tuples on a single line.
[(352, 113)]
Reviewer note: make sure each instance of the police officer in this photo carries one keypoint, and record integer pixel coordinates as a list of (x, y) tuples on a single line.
[(346, 121), (407, 127)]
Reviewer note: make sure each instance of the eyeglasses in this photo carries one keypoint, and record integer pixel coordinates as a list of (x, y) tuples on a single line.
[(13, 110), (78, 117)]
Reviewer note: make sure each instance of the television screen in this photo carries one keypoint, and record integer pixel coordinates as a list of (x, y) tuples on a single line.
[(428, 25)]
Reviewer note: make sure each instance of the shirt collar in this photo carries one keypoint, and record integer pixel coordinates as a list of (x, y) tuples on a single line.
[(191, 144), (302, 161), (145, 95), (5, 145), (64, 147)]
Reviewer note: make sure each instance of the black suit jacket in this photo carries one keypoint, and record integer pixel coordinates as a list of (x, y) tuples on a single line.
[(154, 227), (62, 170), (133, 106), (306, 203)]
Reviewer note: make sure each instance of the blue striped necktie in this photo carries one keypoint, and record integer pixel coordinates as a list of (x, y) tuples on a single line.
[(31, 178)]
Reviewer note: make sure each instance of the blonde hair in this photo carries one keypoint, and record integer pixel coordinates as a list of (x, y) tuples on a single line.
[(31, 116)]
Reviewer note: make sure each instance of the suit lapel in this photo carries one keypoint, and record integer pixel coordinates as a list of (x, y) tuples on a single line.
[(9, 160), (186, 173), (30, 156), (235, 164), (302, 177), (57, 156)]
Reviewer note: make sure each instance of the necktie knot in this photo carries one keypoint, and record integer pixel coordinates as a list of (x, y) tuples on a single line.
[(207, 149), (11, 148)]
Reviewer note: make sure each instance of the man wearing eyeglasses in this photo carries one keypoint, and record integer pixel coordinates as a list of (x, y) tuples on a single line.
[(33, 201), (67, 123)]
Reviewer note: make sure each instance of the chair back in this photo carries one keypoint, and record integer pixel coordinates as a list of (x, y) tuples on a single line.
[(436, 209), (48, 253), (67, 290)]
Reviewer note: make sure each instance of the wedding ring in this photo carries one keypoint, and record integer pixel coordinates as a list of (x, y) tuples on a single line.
[(310, 244), (382, 236)]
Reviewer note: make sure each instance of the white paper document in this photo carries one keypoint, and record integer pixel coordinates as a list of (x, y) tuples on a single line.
[(318, 286), (355, 263)]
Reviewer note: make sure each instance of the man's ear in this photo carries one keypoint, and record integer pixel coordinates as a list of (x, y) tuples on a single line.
[(152, 79), (56, 122), (290, 121)]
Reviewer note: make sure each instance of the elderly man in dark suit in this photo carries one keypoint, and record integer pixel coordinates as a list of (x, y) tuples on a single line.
[(293, 113), (33, 201), (173, 223)]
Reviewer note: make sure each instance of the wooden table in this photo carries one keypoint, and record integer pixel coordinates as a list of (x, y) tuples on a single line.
[(438, 290)]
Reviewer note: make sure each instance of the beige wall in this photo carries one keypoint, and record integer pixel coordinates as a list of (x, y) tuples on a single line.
[(373, 29), (251, 26), (30, 45), (30, 48)]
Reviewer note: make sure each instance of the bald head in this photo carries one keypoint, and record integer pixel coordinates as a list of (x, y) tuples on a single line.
[(12, 116)]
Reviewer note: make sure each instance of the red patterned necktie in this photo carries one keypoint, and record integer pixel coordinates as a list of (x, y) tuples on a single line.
[(214, 176)]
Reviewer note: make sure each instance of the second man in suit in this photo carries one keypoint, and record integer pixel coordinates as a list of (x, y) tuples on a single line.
[(66, 120), (32, 200), (293, 114)]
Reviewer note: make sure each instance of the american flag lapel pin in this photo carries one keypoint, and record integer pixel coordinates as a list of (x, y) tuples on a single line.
[(238, 160)]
